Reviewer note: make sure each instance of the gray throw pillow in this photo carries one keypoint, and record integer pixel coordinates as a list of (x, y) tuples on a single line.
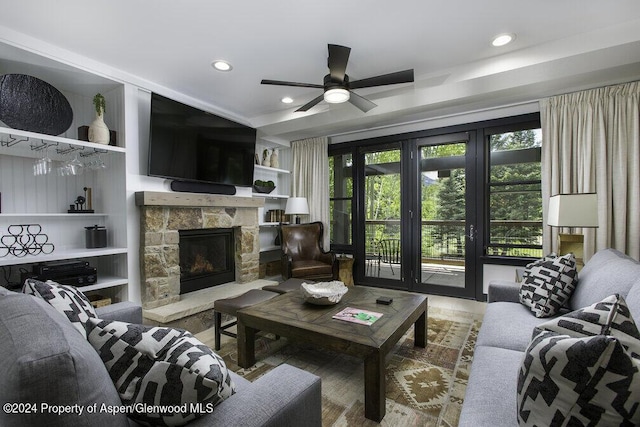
[(548, 284), (153, 366), (582, 369)]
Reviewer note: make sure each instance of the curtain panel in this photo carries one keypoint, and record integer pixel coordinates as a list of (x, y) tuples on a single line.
[(311, 179), (591, 144)]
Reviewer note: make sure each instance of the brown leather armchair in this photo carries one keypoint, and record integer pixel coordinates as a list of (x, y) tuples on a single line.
[(302, 254)]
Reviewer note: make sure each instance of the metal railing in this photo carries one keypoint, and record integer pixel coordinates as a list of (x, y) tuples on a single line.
[(445, 239)]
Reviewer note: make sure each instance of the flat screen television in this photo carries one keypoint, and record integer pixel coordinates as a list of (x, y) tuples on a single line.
[(191, 145)]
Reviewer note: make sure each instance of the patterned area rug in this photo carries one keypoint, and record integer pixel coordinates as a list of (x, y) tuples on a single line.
[(425, 387)]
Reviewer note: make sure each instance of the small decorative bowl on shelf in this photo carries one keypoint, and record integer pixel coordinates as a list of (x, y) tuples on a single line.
[(264, 187), (324, 293)]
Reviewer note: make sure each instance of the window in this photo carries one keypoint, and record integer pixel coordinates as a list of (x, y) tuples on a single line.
[(340, 198), (515, 197)]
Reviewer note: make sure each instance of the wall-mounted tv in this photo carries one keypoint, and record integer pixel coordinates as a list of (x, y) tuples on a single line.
[(187, 144)]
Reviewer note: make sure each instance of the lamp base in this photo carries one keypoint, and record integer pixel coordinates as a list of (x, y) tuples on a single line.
[(573, 243)]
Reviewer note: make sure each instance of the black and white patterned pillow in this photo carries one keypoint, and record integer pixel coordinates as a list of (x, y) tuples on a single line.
[(548, 283), (68, 300), (611, 316), (583, 369), (161, 366)]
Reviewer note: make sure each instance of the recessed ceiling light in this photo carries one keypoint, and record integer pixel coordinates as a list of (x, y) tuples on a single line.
[(287, 100), (221, 65), (503, 39)]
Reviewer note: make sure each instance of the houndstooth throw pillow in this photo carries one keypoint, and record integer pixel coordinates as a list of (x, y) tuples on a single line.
[(159, 366), (583, 369), (548, 283), (68, 300)]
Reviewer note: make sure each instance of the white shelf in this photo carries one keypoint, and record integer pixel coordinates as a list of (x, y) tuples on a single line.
[(269, 196), (58, 255), (9, 134), (270, 169), (51, 215), (269, 248), (104, 283), (269, 224)]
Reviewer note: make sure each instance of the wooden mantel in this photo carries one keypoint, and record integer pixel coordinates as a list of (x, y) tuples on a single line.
[(158, 198)]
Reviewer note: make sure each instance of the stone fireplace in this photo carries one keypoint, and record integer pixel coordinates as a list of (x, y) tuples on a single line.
[(164, 215)]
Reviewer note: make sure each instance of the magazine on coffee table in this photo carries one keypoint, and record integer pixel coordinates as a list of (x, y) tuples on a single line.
[(358, 315)]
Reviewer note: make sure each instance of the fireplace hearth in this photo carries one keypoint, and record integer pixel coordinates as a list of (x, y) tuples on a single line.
[(207, 258)]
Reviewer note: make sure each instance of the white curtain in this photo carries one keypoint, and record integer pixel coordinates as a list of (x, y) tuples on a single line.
[(311, 179), (591, 143)]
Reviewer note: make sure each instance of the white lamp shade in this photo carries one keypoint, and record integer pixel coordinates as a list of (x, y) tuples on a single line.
[(297, 206), (573, 210), (337, 95)]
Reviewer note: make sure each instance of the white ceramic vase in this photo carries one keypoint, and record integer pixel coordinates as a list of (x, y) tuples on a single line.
[(266, 160), (275, 163), (98, 130)]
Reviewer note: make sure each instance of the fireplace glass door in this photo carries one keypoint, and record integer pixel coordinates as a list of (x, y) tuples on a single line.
[(207, 258)]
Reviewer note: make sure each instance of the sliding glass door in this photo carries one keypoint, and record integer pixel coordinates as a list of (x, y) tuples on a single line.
[(444, 231)]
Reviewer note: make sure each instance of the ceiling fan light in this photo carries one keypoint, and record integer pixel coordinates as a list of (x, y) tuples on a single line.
[(336, 95)]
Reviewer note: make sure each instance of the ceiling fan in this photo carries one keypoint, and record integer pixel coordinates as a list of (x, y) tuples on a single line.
[(337, 87)]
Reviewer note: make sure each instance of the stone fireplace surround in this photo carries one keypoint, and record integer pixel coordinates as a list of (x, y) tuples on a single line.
[(163, 214)]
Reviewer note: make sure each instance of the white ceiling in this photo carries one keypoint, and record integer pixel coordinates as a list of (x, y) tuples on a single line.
[(561, 46)]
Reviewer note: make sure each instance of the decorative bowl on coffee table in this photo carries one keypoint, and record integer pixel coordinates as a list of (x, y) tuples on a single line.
[(324, 293)]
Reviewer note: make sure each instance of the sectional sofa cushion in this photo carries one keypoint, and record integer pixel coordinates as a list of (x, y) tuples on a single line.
[(161, 366), (583, 368), (607, 272), (508, 325), (46, 361), (548, 284), (68, 300)]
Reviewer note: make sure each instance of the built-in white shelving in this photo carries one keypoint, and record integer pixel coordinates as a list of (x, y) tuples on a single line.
[(43, 200)]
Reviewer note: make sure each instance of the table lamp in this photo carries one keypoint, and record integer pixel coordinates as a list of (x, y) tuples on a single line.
[(573, 210), (297, 206)]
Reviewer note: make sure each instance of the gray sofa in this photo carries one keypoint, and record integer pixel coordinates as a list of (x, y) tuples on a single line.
[(45, 361), (507, 328)]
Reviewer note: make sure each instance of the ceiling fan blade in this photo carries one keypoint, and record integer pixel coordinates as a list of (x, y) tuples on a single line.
[(362, 103), (282, 83), (405, 76), (337, 62), (311, 103)]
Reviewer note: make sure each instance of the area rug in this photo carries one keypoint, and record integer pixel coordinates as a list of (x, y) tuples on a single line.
[(425, 387)]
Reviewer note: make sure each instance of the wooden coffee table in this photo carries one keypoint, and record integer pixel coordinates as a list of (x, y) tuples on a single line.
[(289, 316)]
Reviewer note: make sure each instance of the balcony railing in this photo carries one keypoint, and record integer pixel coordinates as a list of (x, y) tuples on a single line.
[(444, 240)]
